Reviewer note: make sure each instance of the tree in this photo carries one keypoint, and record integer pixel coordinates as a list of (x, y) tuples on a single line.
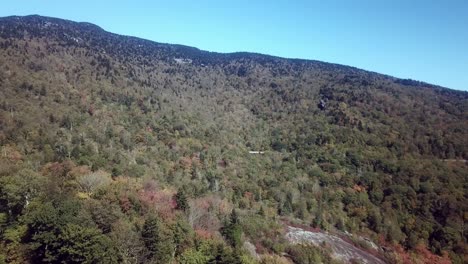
[(307, 254), (317, 222), (192, 256), (45, 222), (234, 217), (183, 235), (18, 190), (93, 181), (224, 255), (103, 213), (158, 240), (232, 230), (128, 242), (181, 201), (80, 244), (57, 233)]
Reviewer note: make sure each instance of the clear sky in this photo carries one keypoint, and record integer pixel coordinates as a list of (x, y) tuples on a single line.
[(425, 40)]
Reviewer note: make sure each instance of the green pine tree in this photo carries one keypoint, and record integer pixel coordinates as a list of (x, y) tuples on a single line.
[(158, 240), (182, 201), (232, 230)]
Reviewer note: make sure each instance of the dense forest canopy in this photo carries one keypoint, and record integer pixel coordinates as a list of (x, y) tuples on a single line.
[(118, 149)]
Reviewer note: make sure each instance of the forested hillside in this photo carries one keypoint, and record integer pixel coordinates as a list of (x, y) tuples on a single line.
[(116, 149)]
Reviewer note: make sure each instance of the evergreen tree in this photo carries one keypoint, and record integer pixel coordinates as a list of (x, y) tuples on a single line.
[(232, 230), (158, 240), (181, 200), (225, 255), (183, 235)]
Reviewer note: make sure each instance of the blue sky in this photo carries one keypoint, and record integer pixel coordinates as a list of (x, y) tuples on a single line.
[(423, 40)]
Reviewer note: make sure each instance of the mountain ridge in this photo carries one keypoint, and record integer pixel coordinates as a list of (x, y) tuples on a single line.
[(30, 20)]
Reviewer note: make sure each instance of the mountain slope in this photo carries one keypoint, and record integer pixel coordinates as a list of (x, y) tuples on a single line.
[(345, 149)]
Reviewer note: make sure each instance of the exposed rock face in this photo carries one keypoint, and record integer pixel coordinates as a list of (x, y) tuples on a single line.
[(249, 247), (341, 249)]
